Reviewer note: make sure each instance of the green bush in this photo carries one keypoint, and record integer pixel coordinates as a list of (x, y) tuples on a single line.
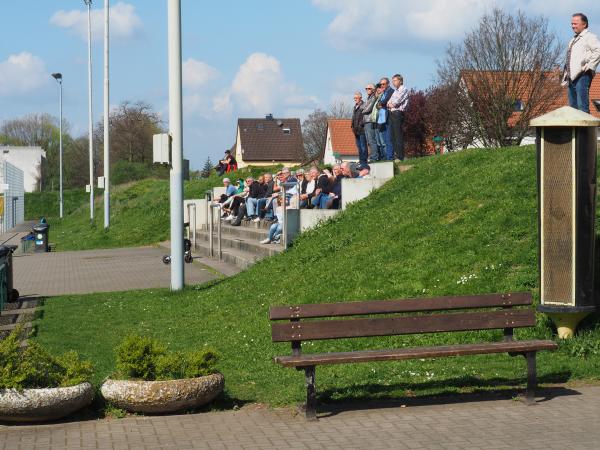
[(34, 367), (144, 358)]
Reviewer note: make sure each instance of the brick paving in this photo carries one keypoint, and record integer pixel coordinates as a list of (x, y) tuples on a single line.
[(567, 418), (80, 272)]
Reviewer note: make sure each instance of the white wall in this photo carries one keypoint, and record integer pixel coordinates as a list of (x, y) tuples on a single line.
[(14, 196), (29, 160)]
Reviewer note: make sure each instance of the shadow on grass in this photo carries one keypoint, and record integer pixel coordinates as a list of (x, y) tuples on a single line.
[(450, 391)]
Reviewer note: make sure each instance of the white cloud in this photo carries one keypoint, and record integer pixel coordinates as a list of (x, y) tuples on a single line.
[(364, 23), (22, 73), (259, 87), (124, 22), (197, 73)]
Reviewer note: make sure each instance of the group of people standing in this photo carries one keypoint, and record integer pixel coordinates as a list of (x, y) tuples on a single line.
[(377, 122)]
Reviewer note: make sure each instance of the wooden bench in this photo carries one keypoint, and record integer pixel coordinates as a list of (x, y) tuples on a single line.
[(485, 312)]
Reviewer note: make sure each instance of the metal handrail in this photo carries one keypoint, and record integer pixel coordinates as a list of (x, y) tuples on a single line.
[(193, 228), (208, 197), (211, 245)]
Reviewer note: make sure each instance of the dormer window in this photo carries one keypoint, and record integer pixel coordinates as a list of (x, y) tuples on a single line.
[(287, 131)]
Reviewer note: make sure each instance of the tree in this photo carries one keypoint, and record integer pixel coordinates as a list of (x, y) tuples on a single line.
[(206, 169), (507, 64), (314, 128), (132, 126), (417, 131)]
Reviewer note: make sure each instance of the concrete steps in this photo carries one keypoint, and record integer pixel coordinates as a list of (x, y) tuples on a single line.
[(240, 245)]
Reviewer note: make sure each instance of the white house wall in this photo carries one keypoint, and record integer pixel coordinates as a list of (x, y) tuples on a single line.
[(29, 160)]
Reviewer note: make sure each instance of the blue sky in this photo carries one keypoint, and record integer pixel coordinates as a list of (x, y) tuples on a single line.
[(241, 58)]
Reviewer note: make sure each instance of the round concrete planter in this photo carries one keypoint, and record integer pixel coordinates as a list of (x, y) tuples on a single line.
[(37, 405), (157, 397)]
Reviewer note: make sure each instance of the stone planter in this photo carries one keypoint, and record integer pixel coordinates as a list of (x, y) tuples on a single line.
[(36, 405), (157, 397)]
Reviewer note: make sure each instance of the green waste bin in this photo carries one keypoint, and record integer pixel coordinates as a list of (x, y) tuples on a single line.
[(40, 232), (4, 253)]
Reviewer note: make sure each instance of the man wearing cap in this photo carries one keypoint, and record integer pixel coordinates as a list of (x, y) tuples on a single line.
[(397, 106), (583, 56)]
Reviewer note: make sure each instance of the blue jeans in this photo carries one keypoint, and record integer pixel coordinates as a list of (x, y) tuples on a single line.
[(371, 136), (389, 148), (252, 206), (579, 92), (381, 145), (361, 144), (320, 201), (265, 203), (275, 231)]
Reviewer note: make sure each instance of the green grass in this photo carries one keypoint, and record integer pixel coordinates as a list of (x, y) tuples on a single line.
[(458, 224), (139, 213)]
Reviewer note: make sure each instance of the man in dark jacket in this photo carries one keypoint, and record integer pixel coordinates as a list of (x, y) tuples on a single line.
[(358, 128), (255, 192), (383, 109), (262, 204)]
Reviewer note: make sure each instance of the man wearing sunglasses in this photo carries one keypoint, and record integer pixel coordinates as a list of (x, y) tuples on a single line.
[(384, 119)]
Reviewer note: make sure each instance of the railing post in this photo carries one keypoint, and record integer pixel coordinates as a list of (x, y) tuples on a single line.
[(208, 198), (210, 233), (219, 234), (284, 215)]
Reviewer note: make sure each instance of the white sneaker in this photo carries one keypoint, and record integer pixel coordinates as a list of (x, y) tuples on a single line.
[(256, 219), (266, 241), (229, 218)]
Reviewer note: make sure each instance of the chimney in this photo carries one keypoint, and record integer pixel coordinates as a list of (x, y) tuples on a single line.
[(269, 116)]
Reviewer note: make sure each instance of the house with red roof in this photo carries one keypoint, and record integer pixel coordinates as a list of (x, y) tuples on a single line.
[(340, 145)]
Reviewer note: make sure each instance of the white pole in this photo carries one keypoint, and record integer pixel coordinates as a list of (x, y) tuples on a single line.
[(60, 152), (90, 125), (106, 122), (176, 132)]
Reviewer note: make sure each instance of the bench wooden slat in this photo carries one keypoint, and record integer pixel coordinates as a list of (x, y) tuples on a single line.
[(414, 353), (398, 306), (433, 323)]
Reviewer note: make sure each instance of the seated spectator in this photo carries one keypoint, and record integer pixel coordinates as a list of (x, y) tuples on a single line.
[(227, 164), (335, 194), (307, 186), (322, 190), (349, 170), (364, 171), (277, 228), (255, 193), (264, 204), (238, 200), (229, 190)]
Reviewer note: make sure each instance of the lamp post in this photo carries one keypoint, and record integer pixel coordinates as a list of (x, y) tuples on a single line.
[(176, 131), (106, 121), (58, 77), (90, 125)]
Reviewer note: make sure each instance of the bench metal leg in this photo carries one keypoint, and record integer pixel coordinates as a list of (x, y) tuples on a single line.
[(311, 394), (531, 378)]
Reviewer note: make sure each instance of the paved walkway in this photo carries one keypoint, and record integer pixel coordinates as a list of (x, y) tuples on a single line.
[(564, 419), (59, 273)]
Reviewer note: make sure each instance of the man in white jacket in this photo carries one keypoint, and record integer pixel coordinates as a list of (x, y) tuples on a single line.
[(583, 56)]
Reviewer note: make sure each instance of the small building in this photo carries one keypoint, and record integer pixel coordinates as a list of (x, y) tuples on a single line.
[(30, 160), (340, 145), (12, 196), (268, 141)]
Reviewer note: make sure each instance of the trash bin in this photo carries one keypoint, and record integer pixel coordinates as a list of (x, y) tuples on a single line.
[(9, 293), (41, 237), (27, 242)]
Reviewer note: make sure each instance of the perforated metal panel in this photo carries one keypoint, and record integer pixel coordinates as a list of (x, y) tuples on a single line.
[(558, 216)]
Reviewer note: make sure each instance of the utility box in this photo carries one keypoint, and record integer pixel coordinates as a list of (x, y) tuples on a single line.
[(101, 182), (566, 155), (161, 146)]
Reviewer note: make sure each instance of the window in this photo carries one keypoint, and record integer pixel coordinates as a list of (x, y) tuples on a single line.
[(287, 131), (260, 126)]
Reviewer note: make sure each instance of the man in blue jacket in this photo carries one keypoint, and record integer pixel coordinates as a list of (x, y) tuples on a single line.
[(383, 110)]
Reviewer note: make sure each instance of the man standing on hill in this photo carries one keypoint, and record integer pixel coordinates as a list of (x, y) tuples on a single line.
[(384, 119), (583, 56), (397, 105), (358, 128)]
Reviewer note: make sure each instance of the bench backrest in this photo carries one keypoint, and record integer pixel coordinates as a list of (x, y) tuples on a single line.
[(438, 317)]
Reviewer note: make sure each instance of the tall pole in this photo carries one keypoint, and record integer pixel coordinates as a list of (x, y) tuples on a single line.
[(176, 132), (58, 77), (90, 125), (106, 122)]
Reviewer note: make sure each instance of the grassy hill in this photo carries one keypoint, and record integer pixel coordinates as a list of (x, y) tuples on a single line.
[(139, 213), (458, 224)]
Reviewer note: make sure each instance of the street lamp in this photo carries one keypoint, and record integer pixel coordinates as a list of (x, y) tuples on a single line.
[(90, 125), (58, 77), (106, 121)]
